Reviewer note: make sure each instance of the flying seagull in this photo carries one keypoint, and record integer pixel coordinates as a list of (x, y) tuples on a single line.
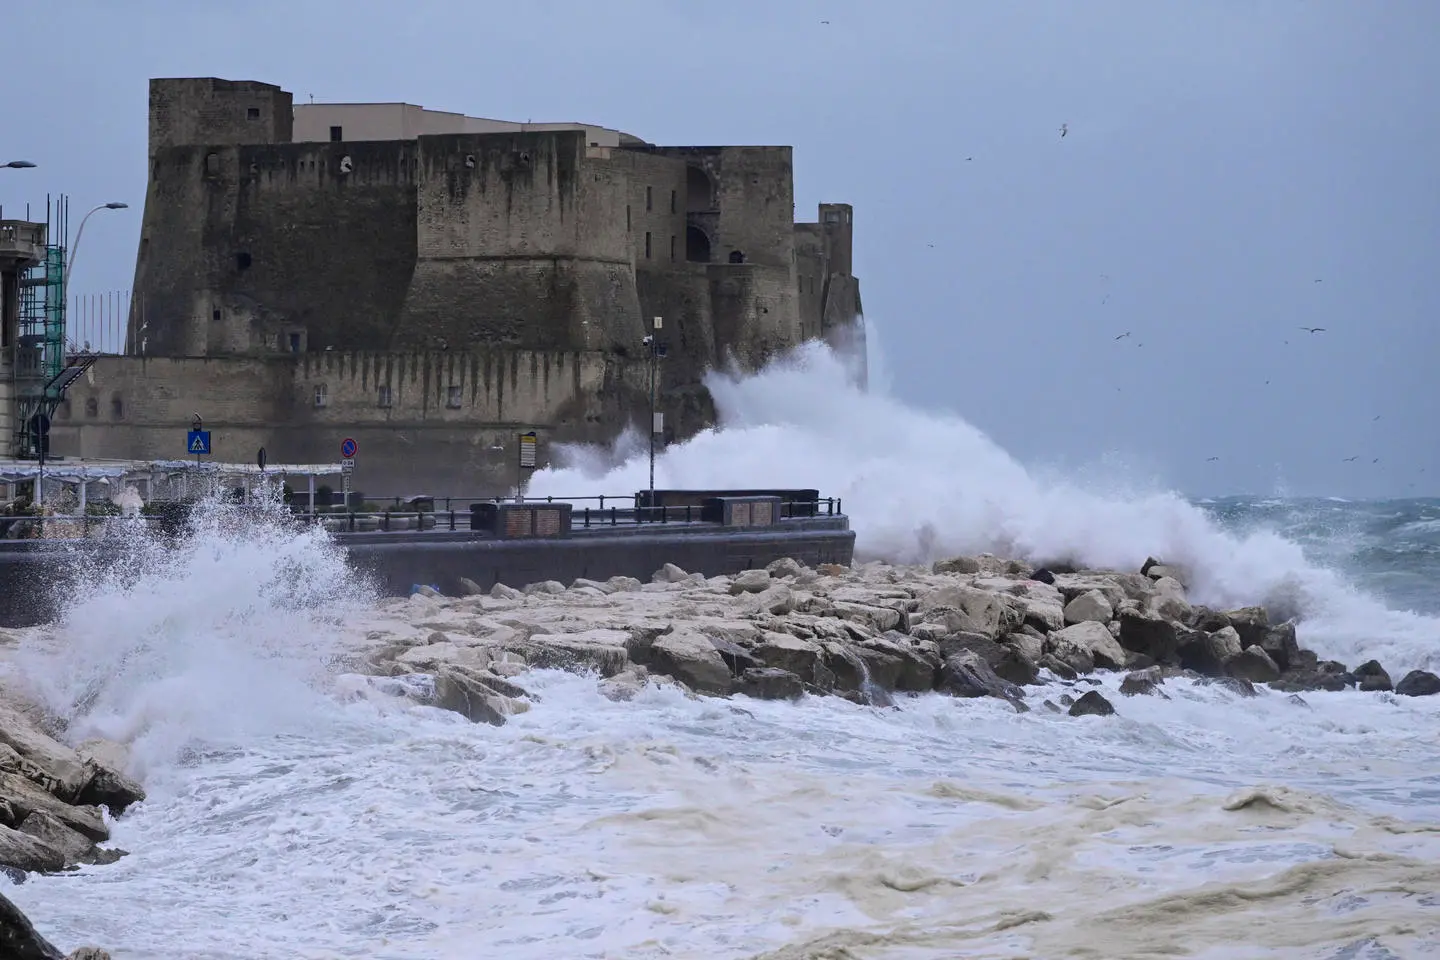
[(1123, 335), (1064, 129), (825, 21), (1211, 459), (1349, 459), (1313, 329)]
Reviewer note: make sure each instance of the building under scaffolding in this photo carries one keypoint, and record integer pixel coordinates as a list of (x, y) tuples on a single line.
[(36, 368)]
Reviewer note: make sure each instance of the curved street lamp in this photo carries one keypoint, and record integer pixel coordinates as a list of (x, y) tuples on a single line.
[(70, 264), (17, 165)]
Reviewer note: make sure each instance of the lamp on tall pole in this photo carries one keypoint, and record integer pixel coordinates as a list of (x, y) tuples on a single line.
[(656, 351), (17, 165), (70, 264)]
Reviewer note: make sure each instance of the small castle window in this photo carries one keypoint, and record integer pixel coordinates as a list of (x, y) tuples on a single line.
[(737, 256), (672, 201), (384, 397), (215, 315), (92, 407), (242, 260), (647, 244), (336, 134), (649, 200), (453, 396), (212, 163), (253, 113), (117, 407), (627, 218), (294, 343), (672, 246), (322, 395)]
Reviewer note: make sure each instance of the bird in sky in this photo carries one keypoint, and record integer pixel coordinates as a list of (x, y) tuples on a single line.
[(1064, 129), (825, 21), (1313, 329), (1374, 418), (1123, 335), (1211, 459), (1350, 459)]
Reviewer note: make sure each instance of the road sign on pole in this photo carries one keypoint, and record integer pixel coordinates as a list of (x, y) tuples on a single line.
[(528, 443), (348, 449), (197, 442)]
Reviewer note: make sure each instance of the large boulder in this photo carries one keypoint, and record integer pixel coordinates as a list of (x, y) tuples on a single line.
[(690, 656), (1206, 653), (1095, 638), (770, 683), (25, 797), (1143, 683), (1418, 683), (1252, 664), (1091, 704), (963, 608), (966, 674), (1169, 601), (20, 850), (794, 654), (1321, 675), (1066, 657), (750, 581), (1090, 606), (474, 696), (1280, 643), (1372, 677), (1148, 635), (1250, 624)]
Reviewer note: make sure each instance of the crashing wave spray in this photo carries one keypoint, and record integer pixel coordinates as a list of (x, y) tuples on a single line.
[(919, 485), (208, 639)]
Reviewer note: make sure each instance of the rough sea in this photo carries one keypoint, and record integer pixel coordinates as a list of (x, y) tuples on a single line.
[(290, 817)]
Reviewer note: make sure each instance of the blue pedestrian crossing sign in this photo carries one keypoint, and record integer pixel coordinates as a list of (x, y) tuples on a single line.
[(197, 442)]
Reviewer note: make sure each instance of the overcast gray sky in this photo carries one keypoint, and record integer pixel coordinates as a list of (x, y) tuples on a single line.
[(1221, 158)]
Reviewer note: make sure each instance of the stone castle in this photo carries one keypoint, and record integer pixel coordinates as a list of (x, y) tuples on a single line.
[(433, 284)]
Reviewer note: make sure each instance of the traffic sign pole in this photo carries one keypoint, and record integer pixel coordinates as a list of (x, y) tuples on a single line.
[(348, 449)]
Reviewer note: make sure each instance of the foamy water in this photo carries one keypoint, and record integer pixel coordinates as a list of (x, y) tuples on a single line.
[(291, 814)]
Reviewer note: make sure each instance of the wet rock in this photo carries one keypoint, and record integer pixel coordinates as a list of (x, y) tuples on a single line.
[(502, 592), (551, 587), (959, 565), (1142, 683), (770, 683), (584, 583), (1096, 640), (1252, 664), (1168, 601), (1206, 620), (832, 570), (969, 610), (1206, 653), (750, 581), (1250, 623), (26, 797), (469, 587), (622, 584), (74, 848), (1298, 700), (1235, 685), (1043, 575), (736, 657), (467, 693), (689, 656), (19, 939), (1148, 635), (966, 674), (1026, 645), (1091, 704), (794, 654), (1418, 683), (1059, 667), (669, 574), (1089, 606), (1159, 570), (625, 685), (22, 851), (1280, 643), (58, 769), (1017, 668), (785, 567), (1372, 677)]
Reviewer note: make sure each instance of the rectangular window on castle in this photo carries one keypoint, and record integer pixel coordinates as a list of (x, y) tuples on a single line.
[(383, 398), (253, 113), (336, 134), (672, 246), (453, 396), (322, 395), (627, 218), (672, 201), (649, 200), (647, 244)]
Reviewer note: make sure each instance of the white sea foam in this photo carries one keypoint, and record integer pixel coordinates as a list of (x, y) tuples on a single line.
[(291, 817)]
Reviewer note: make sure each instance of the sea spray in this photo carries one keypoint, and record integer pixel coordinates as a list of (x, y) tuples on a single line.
[(919, 485), (210, 637)]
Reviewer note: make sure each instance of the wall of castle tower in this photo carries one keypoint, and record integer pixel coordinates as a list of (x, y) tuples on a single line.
[(442, 424), (245, 247), (206, 110), (521, 242)]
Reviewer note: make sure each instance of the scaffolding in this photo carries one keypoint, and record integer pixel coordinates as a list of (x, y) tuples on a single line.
[(43, 368)]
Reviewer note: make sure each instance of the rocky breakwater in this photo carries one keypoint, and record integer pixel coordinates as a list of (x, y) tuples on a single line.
[(969, 627), (55, 805)]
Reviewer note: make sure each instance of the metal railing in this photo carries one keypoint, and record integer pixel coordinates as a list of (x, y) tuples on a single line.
[(452, 514)]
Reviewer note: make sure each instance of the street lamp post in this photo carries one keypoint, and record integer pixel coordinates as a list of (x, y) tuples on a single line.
[(656, 350), (17, 165), (70, 264)]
